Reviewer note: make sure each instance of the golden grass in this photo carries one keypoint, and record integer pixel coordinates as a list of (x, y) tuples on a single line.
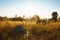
[(29, 25)]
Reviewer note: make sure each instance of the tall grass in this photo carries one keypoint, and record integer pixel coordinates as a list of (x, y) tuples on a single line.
[(48, 31)]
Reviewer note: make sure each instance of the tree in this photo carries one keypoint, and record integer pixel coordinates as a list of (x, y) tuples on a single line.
[(36, 18), (54, 16)]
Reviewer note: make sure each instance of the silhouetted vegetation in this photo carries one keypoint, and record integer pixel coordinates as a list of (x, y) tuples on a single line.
[(54, 16)]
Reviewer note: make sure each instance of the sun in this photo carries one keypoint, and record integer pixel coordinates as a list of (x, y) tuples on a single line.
[(30, 10)]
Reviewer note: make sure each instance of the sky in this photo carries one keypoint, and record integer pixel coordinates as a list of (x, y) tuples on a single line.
[(43, 8)]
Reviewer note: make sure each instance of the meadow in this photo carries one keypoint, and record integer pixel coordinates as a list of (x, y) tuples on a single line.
[(34, 31)]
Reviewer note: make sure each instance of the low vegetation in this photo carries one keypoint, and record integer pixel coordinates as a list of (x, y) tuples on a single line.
[(31, 29)]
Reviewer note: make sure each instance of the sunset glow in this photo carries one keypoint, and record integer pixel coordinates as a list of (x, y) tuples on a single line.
[(29, 8)]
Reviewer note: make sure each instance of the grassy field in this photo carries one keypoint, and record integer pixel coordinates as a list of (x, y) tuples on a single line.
[(34, 31)]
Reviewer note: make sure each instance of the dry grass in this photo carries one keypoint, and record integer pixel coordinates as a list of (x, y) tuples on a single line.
[(36, 31)]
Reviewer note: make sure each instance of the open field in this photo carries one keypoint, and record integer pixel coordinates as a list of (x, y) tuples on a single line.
[(33, 31)]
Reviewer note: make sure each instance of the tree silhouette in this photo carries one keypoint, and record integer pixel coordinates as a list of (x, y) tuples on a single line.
[(54, 16), (35, 18)]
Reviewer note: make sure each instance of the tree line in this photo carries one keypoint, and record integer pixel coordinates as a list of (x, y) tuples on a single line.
[(34, 18)]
